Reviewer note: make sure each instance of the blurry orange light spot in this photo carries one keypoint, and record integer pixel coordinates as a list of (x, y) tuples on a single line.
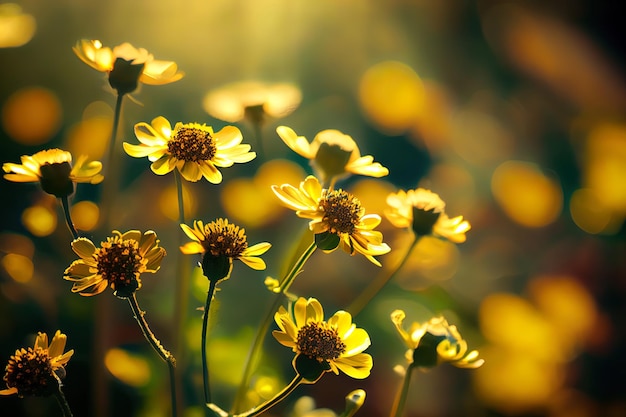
[(168, 203), (85, 215), (16, 243), (90, 137), (32, 115), (19, 267), (590, 214), (130, 369), (39, 220)]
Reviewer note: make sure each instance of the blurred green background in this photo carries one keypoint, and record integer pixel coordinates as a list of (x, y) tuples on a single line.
[(512, 111)]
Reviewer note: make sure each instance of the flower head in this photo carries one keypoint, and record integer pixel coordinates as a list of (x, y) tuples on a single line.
[(194, 149), (336, 344), (336, 213), (126, 65), (53, 169), (423, 212), (221, 242), (434, 342), (118, 262), (332, 153), (36, 371)]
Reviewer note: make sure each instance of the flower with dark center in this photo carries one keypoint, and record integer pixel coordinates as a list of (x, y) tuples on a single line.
[(342, 211)]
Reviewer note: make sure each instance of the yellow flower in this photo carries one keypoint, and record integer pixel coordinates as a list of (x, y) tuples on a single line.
[(434, 342), (253, 100), (332, 153), (53, 169), (105, 59), (423, 211), (36, 371), (336, 212), (336, 342), (221, 242), (191, 148), (118, 262)]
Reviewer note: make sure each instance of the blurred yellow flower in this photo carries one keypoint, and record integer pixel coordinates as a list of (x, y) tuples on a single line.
[(194, 149), (118, 262), (332, 153), (335, 212), (37, 371), (434, 342), (53, 169), (336, 342), (422, 211)]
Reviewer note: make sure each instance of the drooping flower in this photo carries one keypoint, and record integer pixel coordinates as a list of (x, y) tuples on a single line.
[(36, 371), (332, 154), (435, 342), (53, 169), (194, 149), (423, 212), (118, 262), (336, 343), (126, 65), (335, 213), (220, 242)]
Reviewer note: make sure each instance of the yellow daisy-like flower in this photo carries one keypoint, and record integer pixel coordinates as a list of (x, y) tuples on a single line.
[(337, 342), (194, 149), (36, 371), (105, 59), (221, 242), (336, 212), (423, 211), (118, 262), (332, 153), (53, 169), (434, 342)]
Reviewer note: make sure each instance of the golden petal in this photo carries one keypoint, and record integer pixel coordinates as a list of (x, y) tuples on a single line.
[(253, 262), (84, 248)]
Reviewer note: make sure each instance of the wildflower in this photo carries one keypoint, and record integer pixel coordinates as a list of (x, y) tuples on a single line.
[(37, 371), (434, 342), (118, 262), (335, 214), (53, 169), (194, 149), (221, 242), (126, 65), (332, 154), (335, 344), (423, 212)]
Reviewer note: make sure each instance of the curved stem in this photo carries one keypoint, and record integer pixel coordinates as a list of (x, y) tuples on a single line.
[(297, 380), (65, 407), (400, 401), (205, 325), (68, 217), (255, 349), (377, 284), (157, 346)]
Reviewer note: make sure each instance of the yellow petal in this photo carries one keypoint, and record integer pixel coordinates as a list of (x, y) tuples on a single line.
[(84, 248), (253, 262)]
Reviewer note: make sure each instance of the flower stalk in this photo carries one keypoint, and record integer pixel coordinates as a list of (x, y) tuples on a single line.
[(68, 217), (205, 325), (65, 407), (400, 400)]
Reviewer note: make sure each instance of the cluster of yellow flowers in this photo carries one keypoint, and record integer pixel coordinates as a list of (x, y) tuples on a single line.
[(195, 151)]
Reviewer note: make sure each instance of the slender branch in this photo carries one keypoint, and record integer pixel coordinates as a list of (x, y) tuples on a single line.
[(179, 193), (205, 322), (116, 123), (255, 349), (65, 407), (297, 380), (182, 287), (157, 346), (68, 217), (377, 284), (400, 400)]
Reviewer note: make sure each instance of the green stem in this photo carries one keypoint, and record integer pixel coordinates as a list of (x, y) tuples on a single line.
[(68, 218), (377, 284), (255, 349), (205, 325), (297, 380), (60, 397), (157, 346), (399, 402), (179, 192), (116, 123)]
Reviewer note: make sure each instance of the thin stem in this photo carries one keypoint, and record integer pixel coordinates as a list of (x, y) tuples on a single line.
[(68, 217), (297, 380), (116, 123), (205, 325), (255, 349), (377, 284), (400, 400), (179, 192), (157, 346), (65, 407)]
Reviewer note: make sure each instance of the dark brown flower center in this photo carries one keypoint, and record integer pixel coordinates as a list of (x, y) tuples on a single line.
[(30, 371), (224, 239), (119, 262), (191, 144), (342, 211), (319, 342)]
